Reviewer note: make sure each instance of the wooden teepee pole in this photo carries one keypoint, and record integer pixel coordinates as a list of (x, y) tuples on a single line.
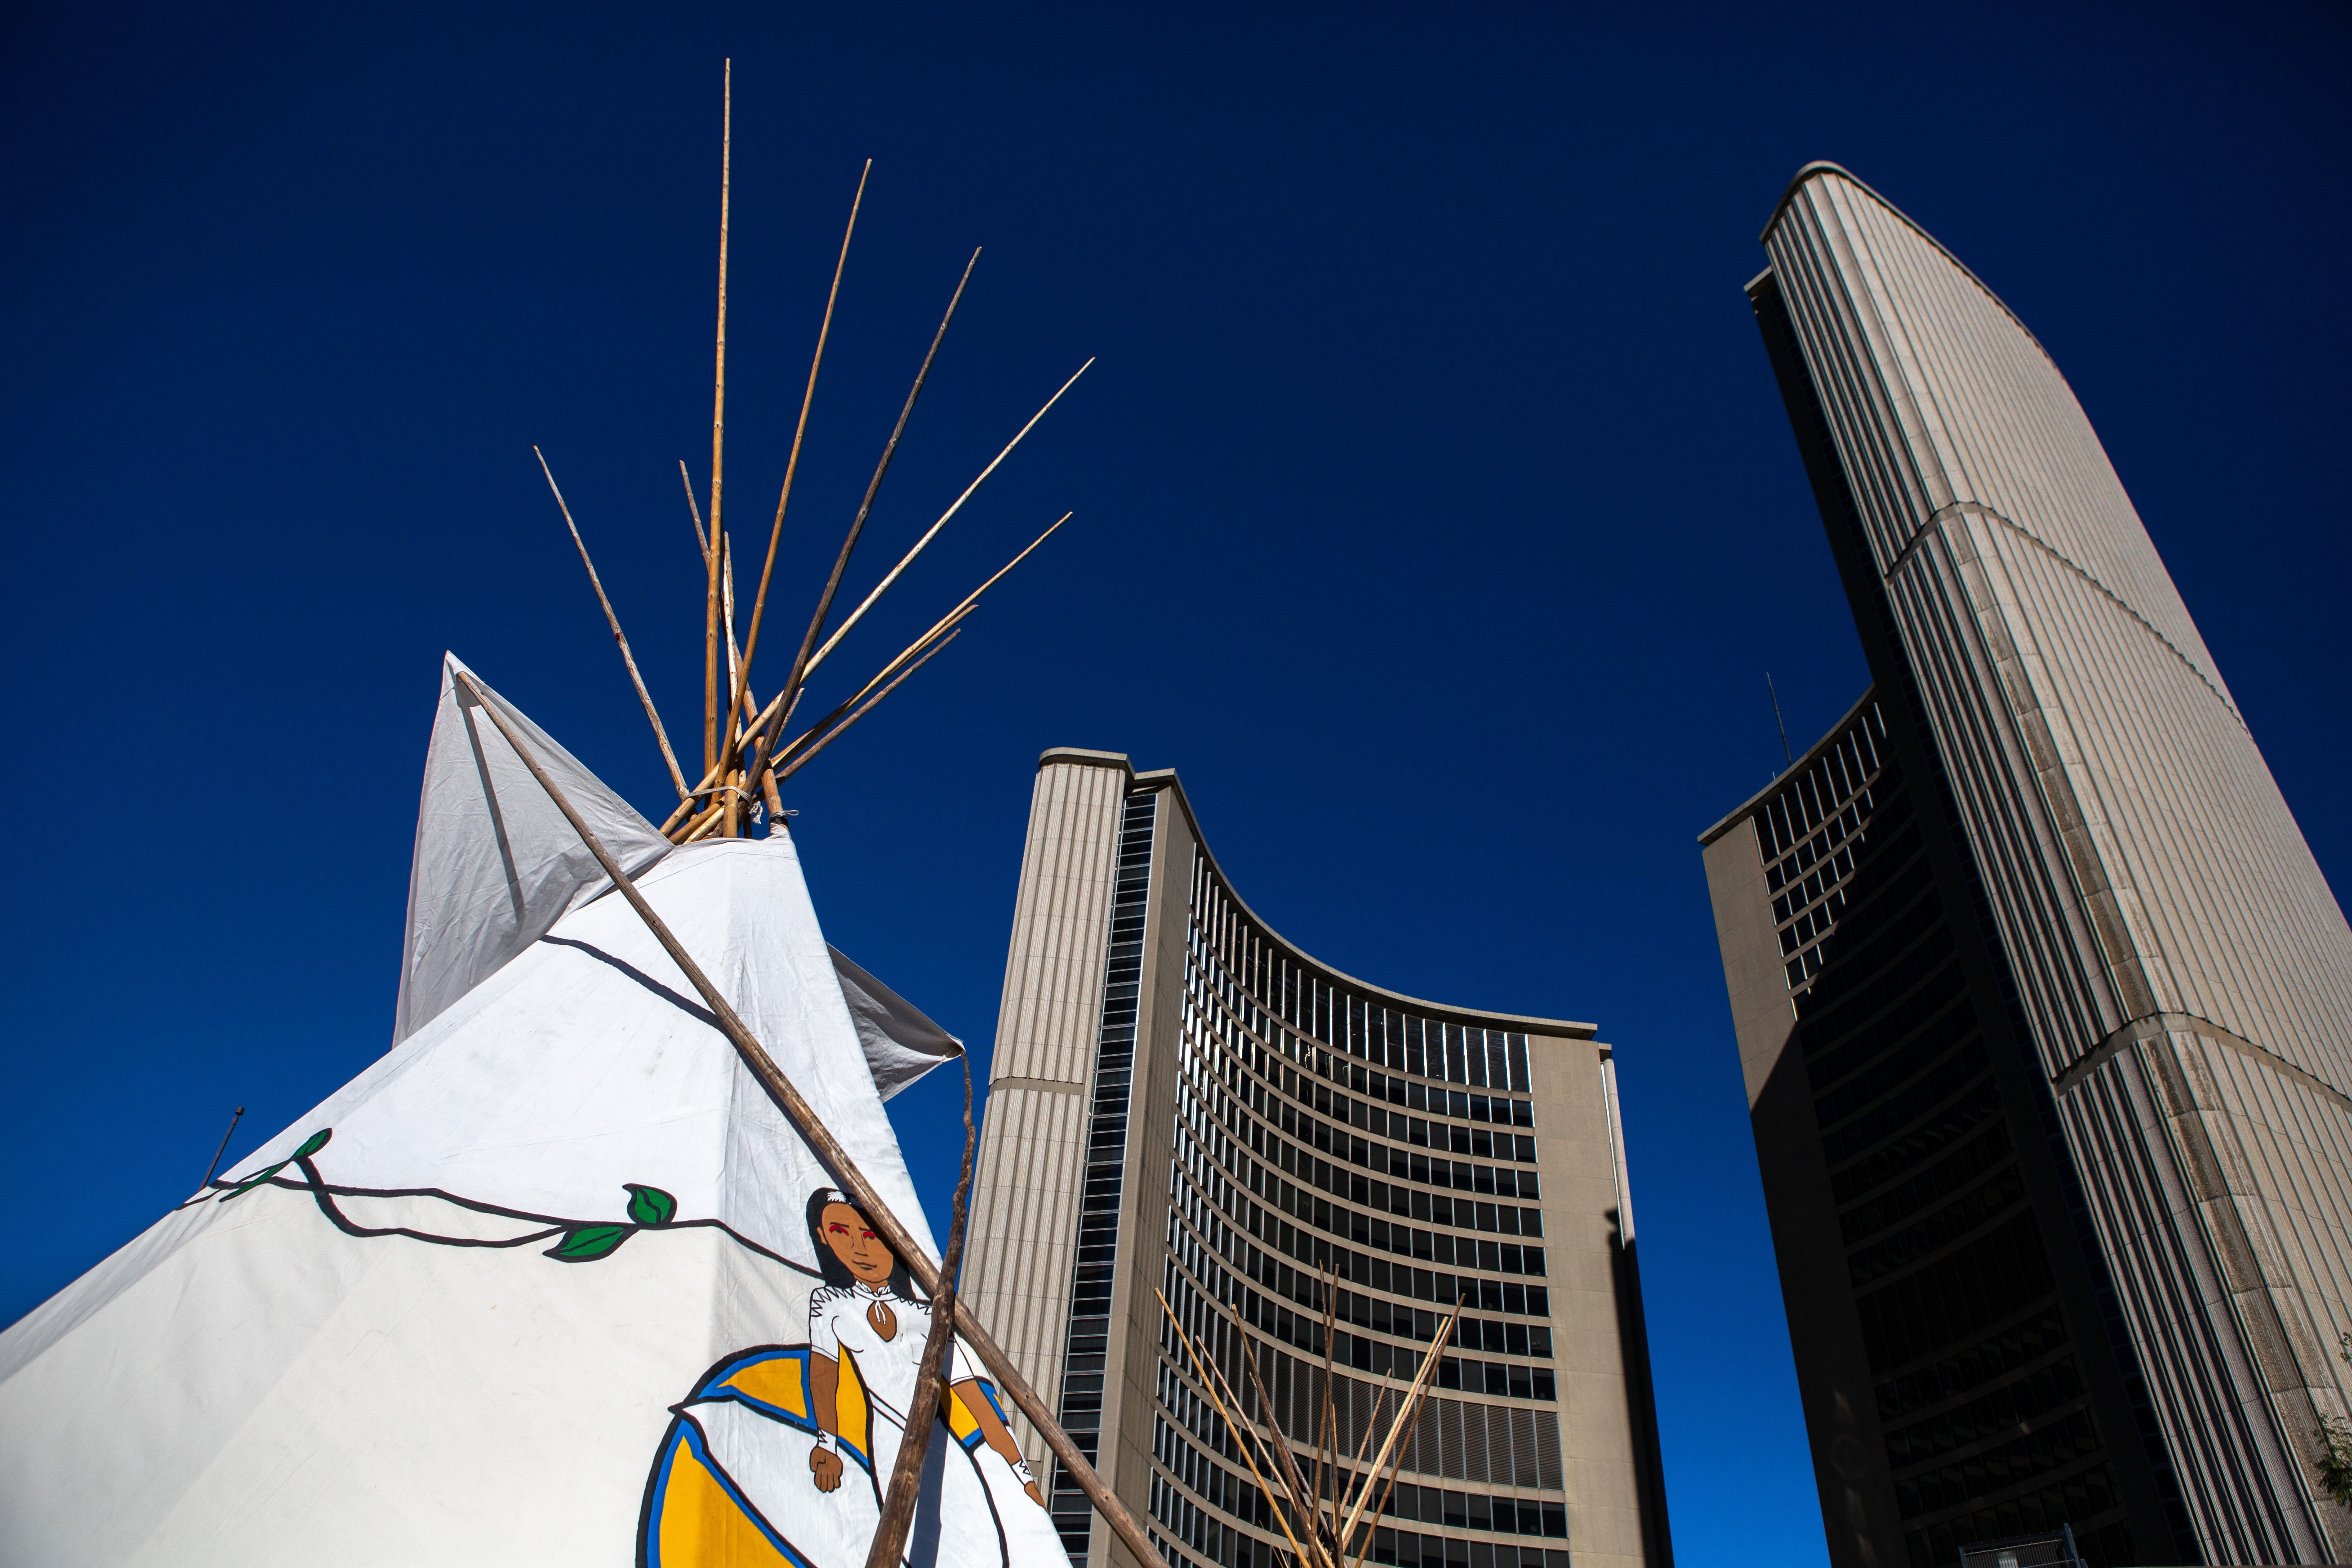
[(873, 488), (718, 441), (908, 560), (765, 731), (1414, 1397), (660, 734), (1248, 1440), (835, 733), (1291, 1478), (907, 1474), (831, 1154), (792, 467)]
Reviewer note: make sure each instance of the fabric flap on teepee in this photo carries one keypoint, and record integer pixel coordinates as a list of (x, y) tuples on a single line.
[(496, 864), (900, 1043)]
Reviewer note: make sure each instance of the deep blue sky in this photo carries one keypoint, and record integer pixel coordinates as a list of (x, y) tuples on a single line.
[(1437, 517)]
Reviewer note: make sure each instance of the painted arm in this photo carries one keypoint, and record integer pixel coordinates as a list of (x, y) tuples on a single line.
[(824, 1380), (993, 1430)]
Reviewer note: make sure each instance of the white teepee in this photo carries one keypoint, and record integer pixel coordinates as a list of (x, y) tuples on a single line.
[(543, 1284)]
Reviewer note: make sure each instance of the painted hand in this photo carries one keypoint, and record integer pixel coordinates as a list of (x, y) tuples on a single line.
[(826, 1466)]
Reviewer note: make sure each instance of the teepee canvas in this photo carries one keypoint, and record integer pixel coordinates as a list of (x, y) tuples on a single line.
[(553, 1281), (614, 1257)]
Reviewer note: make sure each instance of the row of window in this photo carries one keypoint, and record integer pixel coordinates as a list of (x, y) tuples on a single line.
[(2072, 1502), (1950, 1173), (1490, 1444), (1240, 1105), (1222, 1092), (1821, 880), (1248, 1022), (1087, 1338), (1234, 1493), (1972, 1210), (1994, 1356), (1470, 1295), (1213, 1542), (2045, 1448), (1816, 795), (1814, 923), (1304, 1330), (1348, 1266), (1205, 1149), (2010, 1404), (1258, 970)]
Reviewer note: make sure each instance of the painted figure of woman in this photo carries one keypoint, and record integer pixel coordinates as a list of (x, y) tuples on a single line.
[(866, 1332)]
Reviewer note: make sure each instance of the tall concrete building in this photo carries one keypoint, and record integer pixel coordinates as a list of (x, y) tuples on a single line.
[(2044, 1006), (1181, 1102)]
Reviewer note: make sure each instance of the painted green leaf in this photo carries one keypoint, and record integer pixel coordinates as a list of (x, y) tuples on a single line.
[(253, 1181), (650, 1206), (587, 1243), (313, 1143)]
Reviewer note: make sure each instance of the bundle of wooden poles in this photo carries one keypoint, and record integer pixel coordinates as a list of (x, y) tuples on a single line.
[(1327, 1513), (744, 758)]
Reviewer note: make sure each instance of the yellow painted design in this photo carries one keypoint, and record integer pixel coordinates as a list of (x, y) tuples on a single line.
[(781, 1381), (701, 1526), (853, 1416), (962, 1422)]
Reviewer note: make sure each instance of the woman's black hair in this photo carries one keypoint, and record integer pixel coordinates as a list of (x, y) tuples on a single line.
[(836, 1273)]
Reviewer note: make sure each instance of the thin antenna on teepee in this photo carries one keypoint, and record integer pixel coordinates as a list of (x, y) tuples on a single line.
[(791, 468), (217, 1153), (660, 735), (718, 438)]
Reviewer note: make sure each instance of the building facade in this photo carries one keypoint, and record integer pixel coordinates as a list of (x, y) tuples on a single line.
[(2044, 1006), (1181, 1102)]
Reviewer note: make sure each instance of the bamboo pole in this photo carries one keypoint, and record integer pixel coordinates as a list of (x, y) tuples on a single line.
[(660, 734), (832, 1155), (777, 713), (907, 1474), (1297, 1483), (1248, 1452), (1329, 1428), (873, 487), (1388, 1486), (717, 440), (1265, 1445), (973, 597), (835, 733), (793, 463), (761, 763), (727, 605), (1356, 1466), (1418, 1391), (734, 658), (793, 745), (701, 545), (882, 587)]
